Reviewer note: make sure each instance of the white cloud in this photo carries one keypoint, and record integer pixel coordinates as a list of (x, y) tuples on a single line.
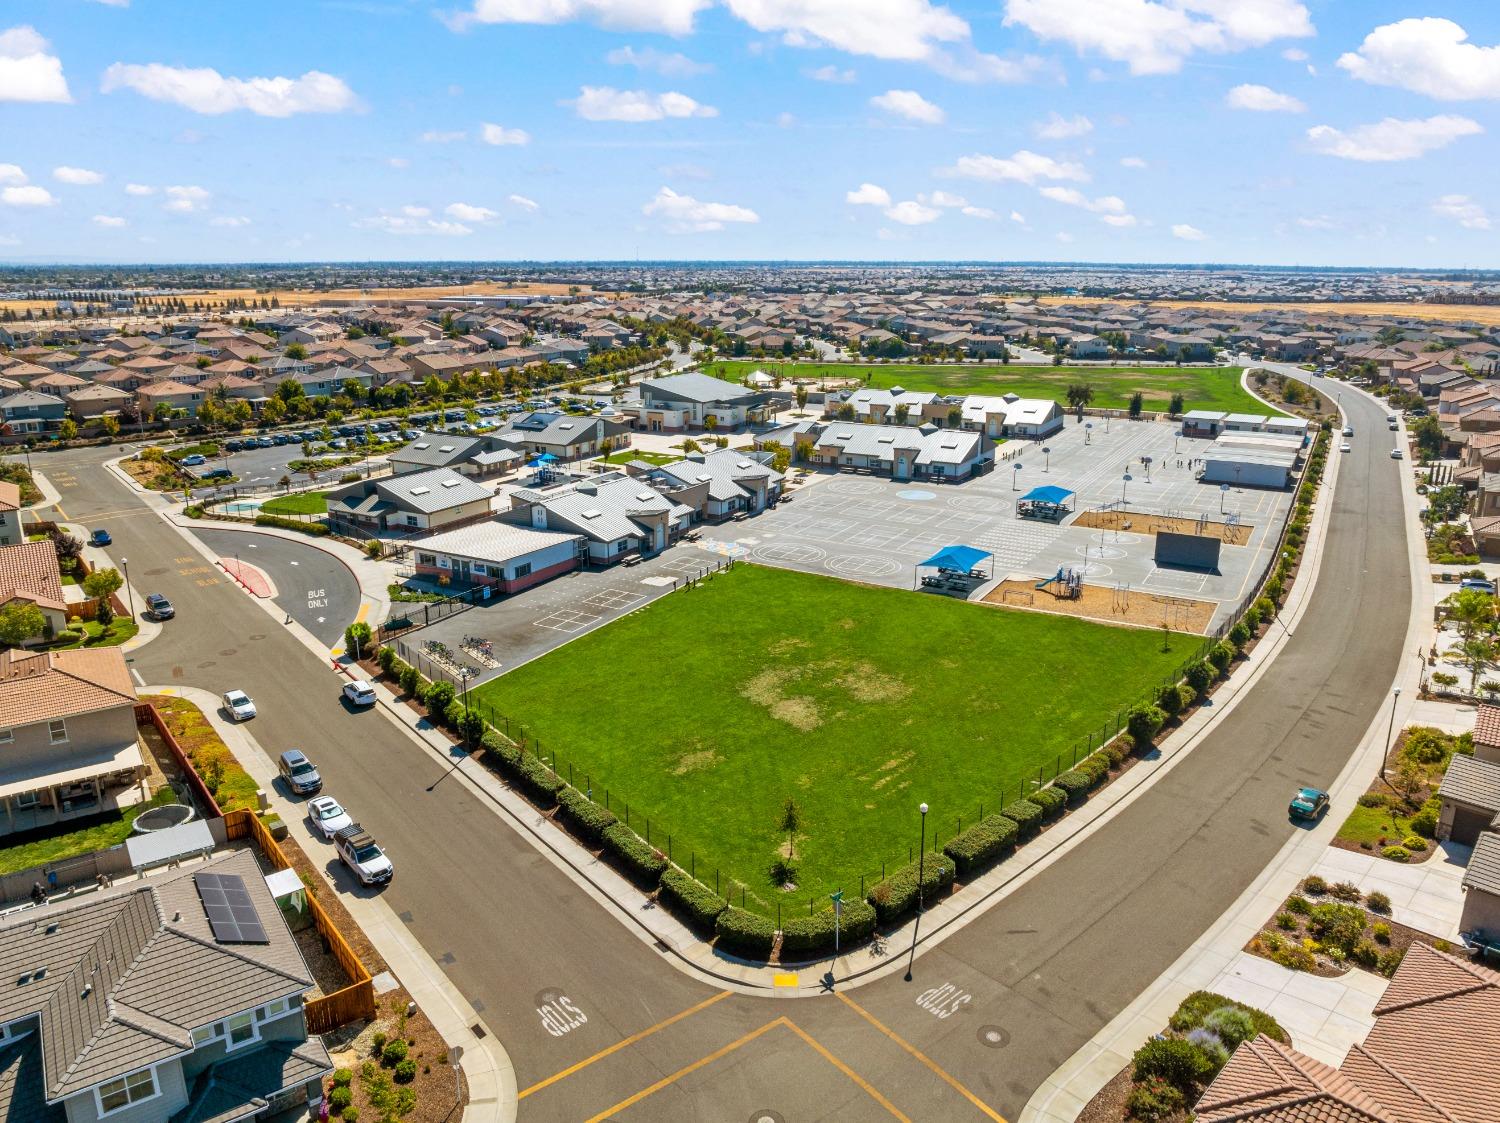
[(114, 3), (1188, 233), (670, 17), (229, 221), (500, 136), (1058, 127), (978, 212), (909, 30), (605, 103), (684, 215), (28, 72), (1119, 219), (1064, 237), (185, 199), (1391, 138), (1109, 205), (205, 90), (443, 136), (668, 65), (1317, 222), (1018, 218), (785, 120), (11, 173), (27, 197), (398, 162), (912, 213), (1132, 162), (909, 104), (413, 221), (944, 199), (1020, 167), (139, 189), (1462, 210), (1156, 36), (1262, 99), (870, 195), (79, 177), (111, 221), (411, 211), (523, 202), (1429, 56), (831, 73), (467, 212)]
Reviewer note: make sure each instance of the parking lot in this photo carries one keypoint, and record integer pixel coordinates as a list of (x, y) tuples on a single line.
[(531, 623), (876, 530)]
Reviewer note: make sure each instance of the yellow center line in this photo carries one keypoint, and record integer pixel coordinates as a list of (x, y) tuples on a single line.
[(989, 1112), (847, 1071), (624, 1044)]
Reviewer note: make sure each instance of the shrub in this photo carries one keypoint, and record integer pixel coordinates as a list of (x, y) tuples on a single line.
[(1231, 1025), (1372, 799), (1073, 784), (1239, 635), (409, 679), (690, 899), (438, 695), (1366, 954), (538, 781), (1198, 1006), (317, 530), (1050, 800), (814, 934), (342, 1077), (1115, 753), (1095, 767), (471, 727), (1221, 655), (1212, 1047), (1168, 700), (1378, 902), (1025, 814), (1199, 676), (505, 754), (1144, 722), (340, 1098), (638, 856), (1153, 1100), (1299, 905), (406, 1071), (897, 895), (357, 638), (1425, 745), (585, 816), (394, 1052), (388, 659), (350, 1115), (453, 714), (1186, 696), (1396, 853), (1389, 961), (1345, 891), (1336, 925), (1174, 1060), (1424, 822), (1266, 608), (1381, 931), (377, 1043), (1286, 921), (982, 843), (1414, 843), (745, 933)]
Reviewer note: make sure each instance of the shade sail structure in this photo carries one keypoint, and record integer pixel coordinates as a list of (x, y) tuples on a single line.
[(963, 558), (1047, 493)]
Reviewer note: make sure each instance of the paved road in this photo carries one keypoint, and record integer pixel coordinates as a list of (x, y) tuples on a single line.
[(1028, 983), (313, 586)]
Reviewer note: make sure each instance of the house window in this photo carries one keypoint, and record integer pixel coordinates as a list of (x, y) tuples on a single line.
[(523, 570), (426, 559), (57, 729), (622, 545), (411, 520), (273, 1010), (27, 800), (240, 1030), (135, 1088), (204, 1034)]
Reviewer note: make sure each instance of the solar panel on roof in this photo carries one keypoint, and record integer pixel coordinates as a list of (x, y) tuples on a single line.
[(230, 911)]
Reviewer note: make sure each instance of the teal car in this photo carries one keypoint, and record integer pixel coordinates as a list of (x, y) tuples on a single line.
[(1308, 803)]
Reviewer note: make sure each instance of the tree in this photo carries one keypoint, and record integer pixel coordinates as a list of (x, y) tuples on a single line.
[(801, 396), (1428, 434), (1079, 395), (68, 430), (1474, 654), (710, 423), (1174, 407), (102, 584), (1137, 401), (110, 425), (19, 622), (1472, 610), (296, 351), (903, 411), (791, 823)]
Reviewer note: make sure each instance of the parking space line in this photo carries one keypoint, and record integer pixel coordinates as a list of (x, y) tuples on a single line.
[(623, 1043), (937, 1069)]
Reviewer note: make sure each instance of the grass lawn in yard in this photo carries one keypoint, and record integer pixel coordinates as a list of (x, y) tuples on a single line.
[(625, 456), (231, 785), (94, 635), (1201, 387), (85, 840), (298, 503), (709, 709)]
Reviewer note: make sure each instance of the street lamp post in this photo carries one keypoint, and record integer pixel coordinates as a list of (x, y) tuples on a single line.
[(1047, 464), (1088, 432), (1015, 471), (1385, 750), (129, 593), (463, 676), (1124, 485), (921, 870), (1223, 491), (1146, 463)]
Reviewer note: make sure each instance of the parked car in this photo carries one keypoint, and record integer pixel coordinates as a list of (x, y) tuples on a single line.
[(265, 442), (299, 772), (1346, 447), (217, 474), (328, 817), (193, 461), (1482, 584), (100, 538), (159, 607), (1395, 454), (238, 703), (359, 692), (1348, 430), (1308, 803), (359, 851)]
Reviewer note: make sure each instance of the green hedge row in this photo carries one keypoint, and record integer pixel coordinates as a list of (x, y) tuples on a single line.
[(1074, 785), (896, 896), (585, 816), (745, 933), (982, 843), (1050, 800), (1025, 814), (691, 900), (317, 530), (814, 934), (538, 781), (639, 858), (506, 755)]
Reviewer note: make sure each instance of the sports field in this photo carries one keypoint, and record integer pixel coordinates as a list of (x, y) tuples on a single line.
[(709, 709), (1201, 387)]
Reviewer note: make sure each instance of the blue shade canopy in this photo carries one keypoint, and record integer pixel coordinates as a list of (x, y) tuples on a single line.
[(545, 458), (955, 557), (1049, 493)]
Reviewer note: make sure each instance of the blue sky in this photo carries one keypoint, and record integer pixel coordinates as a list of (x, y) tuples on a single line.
[(1358, 132)]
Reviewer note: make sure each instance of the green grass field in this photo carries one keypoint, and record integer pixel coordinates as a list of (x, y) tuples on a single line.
[(1201, 387), (626, 455), (298, 503), (713, 706)]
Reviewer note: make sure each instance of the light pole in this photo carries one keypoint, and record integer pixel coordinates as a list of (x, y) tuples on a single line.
[(1146, 462), (1047, 464), (1124, 485), (1088, 432), (921, 870), (1223, 491), (1385, 749), (463, 676), (1015, 471), (129, 594)]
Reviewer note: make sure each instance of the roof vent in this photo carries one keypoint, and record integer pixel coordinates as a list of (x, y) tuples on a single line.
[(643, 496), (53, 927), (704, 478), (592, 513), (423, 445), (88, 989), (420, 490), (451, 483), (176, 916)]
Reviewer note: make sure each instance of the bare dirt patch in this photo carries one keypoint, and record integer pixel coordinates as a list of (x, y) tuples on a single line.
[(1236, 534), (787, 646), (695, 762), (1137, 609), (1487, 314), (800, 713), (866, 683)]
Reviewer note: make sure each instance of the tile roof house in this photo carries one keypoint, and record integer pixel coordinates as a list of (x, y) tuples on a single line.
[(1430, 1058), (29, 573), (10, 514), (134, 1004), (68, 744)]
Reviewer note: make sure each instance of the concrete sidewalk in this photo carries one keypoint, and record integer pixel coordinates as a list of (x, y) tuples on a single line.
[(1427, 896), (486, 1066)]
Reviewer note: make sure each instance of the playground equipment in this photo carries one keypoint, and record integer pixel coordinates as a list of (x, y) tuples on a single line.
[(1068, 582)]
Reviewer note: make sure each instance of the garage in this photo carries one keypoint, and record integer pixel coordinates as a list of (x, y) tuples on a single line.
[(1470, 795), (1469, 824)]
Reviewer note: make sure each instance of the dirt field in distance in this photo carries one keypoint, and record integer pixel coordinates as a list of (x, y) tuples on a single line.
[(1109, 606), (1486, 314)]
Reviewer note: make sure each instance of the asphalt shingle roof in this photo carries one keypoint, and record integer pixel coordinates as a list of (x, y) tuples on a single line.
[(1472, 781), (1483, 872)]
